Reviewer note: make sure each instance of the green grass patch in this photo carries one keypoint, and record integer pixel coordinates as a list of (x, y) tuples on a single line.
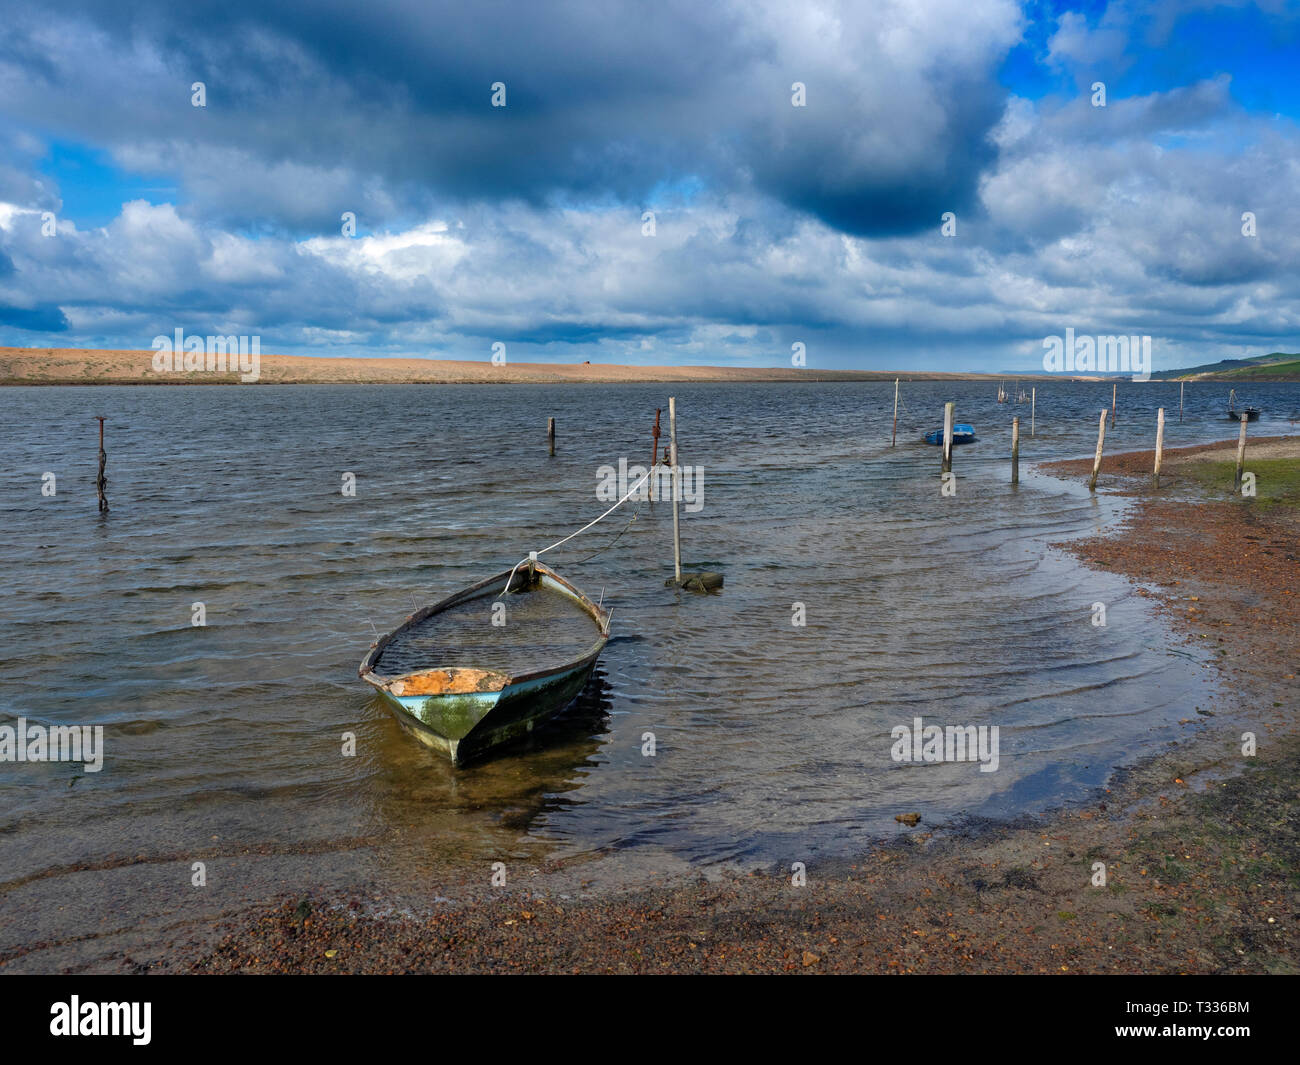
[(1270, 369), (1277, 481)]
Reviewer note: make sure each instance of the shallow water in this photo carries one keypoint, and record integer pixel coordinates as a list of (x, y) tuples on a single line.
[(772, 740)]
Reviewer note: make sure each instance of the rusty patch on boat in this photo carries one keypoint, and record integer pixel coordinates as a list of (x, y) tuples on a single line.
[(449, 682)]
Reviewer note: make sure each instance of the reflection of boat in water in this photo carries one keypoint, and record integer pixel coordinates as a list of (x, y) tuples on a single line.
[(1237, 414), (432, 816), (489, 663), (961, 434)]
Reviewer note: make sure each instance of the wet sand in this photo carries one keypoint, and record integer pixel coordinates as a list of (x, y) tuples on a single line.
[(1201, 843)]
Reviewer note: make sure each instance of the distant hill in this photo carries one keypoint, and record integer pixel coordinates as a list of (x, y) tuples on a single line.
[(1278, 366)]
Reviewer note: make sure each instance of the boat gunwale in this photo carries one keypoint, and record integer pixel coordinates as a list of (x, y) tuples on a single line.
[(596, 612)]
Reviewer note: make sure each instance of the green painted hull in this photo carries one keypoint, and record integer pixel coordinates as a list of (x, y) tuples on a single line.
[(465, 727), (466, 713)]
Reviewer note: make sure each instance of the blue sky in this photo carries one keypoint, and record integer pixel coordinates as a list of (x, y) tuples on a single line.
[(773, 223)]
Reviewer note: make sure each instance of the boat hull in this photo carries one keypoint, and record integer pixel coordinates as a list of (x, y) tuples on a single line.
[(961, 434), (467, 726), (465, 712)]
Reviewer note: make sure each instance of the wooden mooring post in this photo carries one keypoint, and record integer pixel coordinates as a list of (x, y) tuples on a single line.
[(1113, 389), (101, 482), (1241, 454), (948, 409), (672, 458), (1181, 386), (1096, 462), (654, 456), (1160, 445), (702, 580), (550, 434), (894, 439), (1015, 450), (1033, 402)]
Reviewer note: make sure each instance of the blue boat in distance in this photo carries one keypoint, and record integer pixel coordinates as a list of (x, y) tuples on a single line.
[(961, 434)]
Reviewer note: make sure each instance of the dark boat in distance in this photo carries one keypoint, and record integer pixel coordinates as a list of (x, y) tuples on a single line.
[(961, 434), (491, 662), (1237, 414)]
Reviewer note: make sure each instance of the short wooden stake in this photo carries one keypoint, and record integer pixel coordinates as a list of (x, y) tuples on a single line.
[(550, 434), (101, 482), (1241, 453), (1096, 462), (1160, 445), (672, 457), (1033, 402), (1015, 450), (948, 409), (894, 439)]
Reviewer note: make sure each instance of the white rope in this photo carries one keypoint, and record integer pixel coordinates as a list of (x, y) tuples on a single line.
[(533, 556)]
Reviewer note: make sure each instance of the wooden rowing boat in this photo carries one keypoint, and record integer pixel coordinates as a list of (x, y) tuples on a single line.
[(488, 664), (1236, 414)]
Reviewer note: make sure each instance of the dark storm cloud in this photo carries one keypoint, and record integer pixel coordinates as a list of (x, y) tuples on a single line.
[(384, 108), (35, 319)]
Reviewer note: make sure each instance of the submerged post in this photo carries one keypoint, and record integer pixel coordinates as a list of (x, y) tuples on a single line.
[(1113, 389), (1241, 452), (1160, 445), (1096, 462), (550, 434), (894, 439), (1015, 450), (947, 436), (1181, 386), (672, 457), (101, 482), (1033, 402)]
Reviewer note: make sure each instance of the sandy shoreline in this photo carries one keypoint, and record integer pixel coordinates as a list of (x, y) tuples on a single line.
[(73, 366), (1201, 843)]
